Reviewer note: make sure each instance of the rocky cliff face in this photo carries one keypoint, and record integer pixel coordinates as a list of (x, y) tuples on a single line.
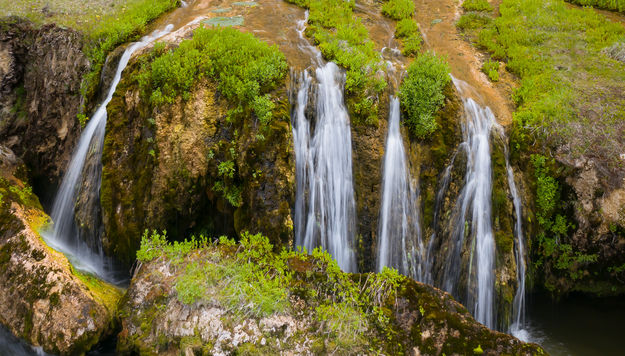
[(42, 299), (41, 70), (395, 315), (185, 168)]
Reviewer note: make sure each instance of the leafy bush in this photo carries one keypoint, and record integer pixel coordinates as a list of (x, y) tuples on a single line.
[(477, 5), (614, 5), (473, 20), (421, 93), (406, 28), (491, 69), (398, 9), (245, 68)]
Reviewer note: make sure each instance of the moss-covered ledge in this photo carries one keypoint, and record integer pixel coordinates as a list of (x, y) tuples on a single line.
[(222, 297), (42, 299)]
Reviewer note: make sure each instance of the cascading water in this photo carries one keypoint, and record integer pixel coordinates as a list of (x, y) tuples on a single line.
[(472, 222), (400, 245), (326, 208), (85, 250), (518, 306)]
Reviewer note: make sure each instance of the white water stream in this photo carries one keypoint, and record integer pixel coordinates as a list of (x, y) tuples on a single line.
[(399, 237), (85, 252)]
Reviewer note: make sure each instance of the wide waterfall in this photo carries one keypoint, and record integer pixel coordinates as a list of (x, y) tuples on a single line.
[(400, 245), (85, 249), (325, 209)]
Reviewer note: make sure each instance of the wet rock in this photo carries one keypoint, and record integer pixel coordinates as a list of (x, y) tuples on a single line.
[(41, 70), (161, 168), (414, 319), (42, 299)]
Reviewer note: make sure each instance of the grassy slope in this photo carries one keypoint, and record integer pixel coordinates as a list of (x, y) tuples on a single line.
[(614, 5)]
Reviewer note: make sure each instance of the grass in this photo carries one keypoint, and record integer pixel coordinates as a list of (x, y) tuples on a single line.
[(421, 93), (343, 39), (568, 82), (407, 31), (613, 5)]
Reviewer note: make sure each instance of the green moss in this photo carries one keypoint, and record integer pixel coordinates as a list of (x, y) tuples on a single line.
[(614, 5), (104, 293), (477, 5)]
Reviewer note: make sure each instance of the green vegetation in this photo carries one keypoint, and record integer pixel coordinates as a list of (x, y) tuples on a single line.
[(421, 93), (614, 5), (407, 31), (477, 5), (557, 52), (554, 226), (246, 69), (343, 39), (253, 281), (491, 69), (398, 9), (473, 20)]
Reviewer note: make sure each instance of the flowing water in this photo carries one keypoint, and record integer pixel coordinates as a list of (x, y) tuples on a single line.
[(399, 245), (326, 210), (472, 279), (84, 249), (518, 306)]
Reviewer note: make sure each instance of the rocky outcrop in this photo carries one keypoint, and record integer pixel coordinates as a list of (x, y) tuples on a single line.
[(42, 299), (392, 314), (41, 71), (186, 169)]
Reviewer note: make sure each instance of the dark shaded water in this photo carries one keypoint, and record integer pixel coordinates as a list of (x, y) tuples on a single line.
[(577, 325), (12, 346)]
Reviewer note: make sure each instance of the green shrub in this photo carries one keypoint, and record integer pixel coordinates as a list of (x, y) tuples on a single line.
[(398, 9), (491, 69), (412, 45), (473, 20), (477, 5), (406, 28), (614, 5), (245, 68), (421, 93)]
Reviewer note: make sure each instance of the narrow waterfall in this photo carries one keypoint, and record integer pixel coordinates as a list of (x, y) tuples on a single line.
[(85, 250), (518, 307), (399, 236), (325, 209)]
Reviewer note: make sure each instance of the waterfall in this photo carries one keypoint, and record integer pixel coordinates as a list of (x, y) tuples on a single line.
[(325, 206), (399, 236), (85, 250), (518, 307), (472, 224)]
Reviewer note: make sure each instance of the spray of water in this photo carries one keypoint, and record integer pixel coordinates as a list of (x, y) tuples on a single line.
[(85, 252)]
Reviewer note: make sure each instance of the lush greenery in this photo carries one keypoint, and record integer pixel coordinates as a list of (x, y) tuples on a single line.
[(246, 69), (615, 5), (557, 52), (343, 39), (407, 31), (553, 248), (477, 5), (398, 9), (253, 281), (473, 20), (491, 69), (421, 93)]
